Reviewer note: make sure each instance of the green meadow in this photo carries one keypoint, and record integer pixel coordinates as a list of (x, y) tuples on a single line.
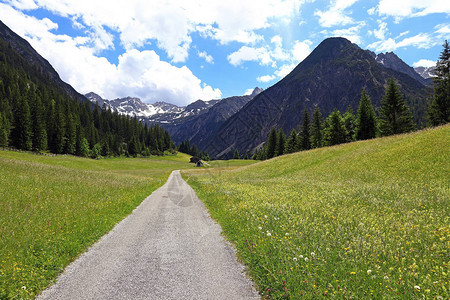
[(365, 220), (53, 208)]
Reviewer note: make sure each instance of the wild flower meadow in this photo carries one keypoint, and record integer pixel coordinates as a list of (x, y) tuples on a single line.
[(53, 208), (366, 220)]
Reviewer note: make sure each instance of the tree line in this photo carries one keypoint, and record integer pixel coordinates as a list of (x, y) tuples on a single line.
[(37, 116), (394, 117)]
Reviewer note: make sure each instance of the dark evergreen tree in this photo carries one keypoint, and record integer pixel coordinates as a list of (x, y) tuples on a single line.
[(4, 130), (236, 154), (304, 135), (366, 124), (281, 143), (292, 143), (133, 147), (316, 129), (21, 132), (246, 156), (439, 108), (395, 116), (39, 132), (349, 124), (271, 145), (335, 132), (70, 135)]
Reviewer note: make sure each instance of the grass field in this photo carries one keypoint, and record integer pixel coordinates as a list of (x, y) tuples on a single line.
[(53, 208), (366, 220)]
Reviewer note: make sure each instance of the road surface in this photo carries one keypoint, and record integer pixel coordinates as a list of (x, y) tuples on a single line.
[(168, 248)]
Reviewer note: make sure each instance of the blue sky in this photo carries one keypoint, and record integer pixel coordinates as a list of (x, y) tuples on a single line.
[(179, 51)]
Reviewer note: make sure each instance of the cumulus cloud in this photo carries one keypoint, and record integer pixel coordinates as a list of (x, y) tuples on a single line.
[(208, 58), (412, 8), (421, 40), (137, 73), (273, 54), (266, 78), (424, 63), (246, 53), (169, 24), (336, 14)]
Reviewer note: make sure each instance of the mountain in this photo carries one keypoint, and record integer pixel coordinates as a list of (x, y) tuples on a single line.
[(200, 129), (41, 66), (332, 76), (392, 61), (132, 106), (426, 73)]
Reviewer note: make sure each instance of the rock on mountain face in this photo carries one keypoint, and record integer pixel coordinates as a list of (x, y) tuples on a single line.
[(200, 129), (43, 67), (392, 61), (426, 73), (332, 76)]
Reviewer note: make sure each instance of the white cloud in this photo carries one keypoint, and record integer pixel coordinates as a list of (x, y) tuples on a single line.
[(301, 50), (424, 63), (380, 33), (284, 70), (412, 8), (138, 73), (171, 22), (266, 78), (421, 40), (351, 33), (246, 53), (336, 14), (248, 92), (208, 58), (265, 56)]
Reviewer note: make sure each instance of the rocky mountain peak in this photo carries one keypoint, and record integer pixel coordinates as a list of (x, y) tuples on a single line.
[(256, 92)]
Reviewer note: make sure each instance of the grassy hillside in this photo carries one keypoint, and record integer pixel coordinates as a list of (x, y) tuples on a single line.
[(362, 220), (53, 208)]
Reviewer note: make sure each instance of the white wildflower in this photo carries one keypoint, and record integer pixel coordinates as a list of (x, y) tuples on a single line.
[(259, 227), (294, 259), (301, 256), (269, 234), (287, 234), (416, 287), (369, 272), (313, 254), (386, 277), (306, 259)]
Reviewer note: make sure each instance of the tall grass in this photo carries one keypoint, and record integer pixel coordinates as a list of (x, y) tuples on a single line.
[(363, 220), (53, 208)]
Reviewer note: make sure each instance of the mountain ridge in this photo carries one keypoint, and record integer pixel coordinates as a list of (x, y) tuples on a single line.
[(332, 76)]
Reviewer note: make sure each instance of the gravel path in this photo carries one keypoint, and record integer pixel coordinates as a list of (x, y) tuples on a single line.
[(168, 248)]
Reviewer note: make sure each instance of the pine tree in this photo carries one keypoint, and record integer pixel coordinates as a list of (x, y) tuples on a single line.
[(395, 116), (281, 143), (21, 133), (316, 129), (70, 135), (271, 144), (4, 130), (236, 154), (366, 126), (349, 124), (39, 131), (439, 108), (335, 132), (304, 134), (292, 142)]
